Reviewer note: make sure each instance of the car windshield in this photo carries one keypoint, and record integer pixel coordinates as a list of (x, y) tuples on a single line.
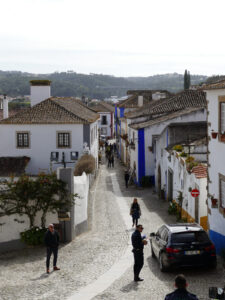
[(190, 237)]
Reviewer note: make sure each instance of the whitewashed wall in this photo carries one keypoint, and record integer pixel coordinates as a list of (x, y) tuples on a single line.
[(216, 162), (43, 141), (81, 187), (107, 127), (94, 142)]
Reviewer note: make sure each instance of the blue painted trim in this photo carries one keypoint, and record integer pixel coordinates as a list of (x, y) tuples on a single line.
[(218, 240), (121, 112), (116, 129), (166, 185), (141, 154), (120, 141)]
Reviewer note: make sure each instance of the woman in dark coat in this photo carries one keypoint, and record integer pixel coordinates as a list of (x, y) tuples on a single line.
[(135, 211)]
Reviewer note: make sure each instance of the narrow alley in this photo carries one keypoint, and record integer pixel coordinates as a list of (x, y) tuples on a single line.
[(99, 264)]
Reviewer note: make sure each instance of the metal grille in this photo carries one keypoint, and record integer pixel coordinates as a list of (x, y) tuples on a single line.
[(22, 139), (63, 139)]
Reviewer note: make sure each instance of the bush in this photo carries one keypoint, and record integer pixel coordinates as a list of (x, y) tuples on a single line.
[(33, 236), (190, 159), (183, 154), (145, 181), (172, 210), (178, 148), (85, 164)]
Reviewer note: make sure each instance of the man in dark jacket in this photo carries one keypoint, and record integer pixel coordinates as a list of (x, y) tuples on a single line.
[(126, 177), (52, 243), (138, 243), (180, 293)]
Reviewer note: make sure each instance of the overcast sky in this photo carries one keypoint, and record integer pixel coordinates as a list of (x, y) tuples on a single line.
[(116, 37)]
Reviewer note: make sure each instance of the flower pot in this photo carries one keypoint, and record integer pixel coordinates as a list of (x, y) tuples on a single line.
[(222, 137), (214, 201), (214, 134)]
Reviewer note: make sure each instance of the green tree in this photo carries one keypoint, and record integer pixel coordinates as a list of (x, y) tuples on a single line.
[(187, 80), (28, 196)]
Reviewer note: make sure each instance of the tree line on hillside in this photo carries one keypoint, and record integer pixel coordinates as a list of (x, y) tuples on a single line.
[(15, 83)]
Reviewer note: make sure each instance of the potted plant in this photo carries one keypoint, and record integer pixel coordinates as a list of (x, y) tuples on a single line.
[(214, 201), (222, 137), (214, 134)]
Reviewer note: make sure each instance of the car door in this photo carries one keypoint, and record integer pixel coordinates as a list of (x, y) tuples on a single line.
[(157, 241)]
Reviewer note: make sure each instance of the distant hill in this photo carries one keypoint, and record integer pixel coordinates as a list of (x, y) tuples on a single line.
[(15, 83)]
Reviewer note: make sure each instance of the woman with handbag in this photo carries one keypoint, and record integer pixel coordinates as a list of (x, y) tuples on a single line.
[(135, 211)]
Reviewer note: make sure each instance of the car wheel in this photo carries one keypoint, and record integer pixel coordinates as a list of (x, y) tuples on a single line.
[(213, 265), (153, 253), (162, 266)]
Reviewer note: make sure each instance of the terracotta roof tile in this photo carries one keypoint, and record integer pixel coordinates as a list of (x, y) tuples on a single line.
[(55, 110), (185, 99), (132, 102), (200, 171), (164, 118), (213, 86), (103, 107)]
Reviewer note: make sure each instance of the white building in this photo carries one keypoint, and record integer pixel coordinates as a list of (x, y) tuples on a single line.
[(188, 106), (182, 172), (106, 121), (50, 132), (215, 95)]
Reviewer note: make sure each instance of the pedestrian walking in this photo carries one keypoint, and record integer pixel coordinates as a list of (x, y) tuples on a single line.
[(112, 161), (181, 291), (126, 177), (138, 243), (51, 240), (135, 211)]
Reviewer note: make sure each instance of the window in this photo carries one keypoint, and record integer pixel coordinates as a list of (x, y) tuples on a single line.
[(222, 115), (222, 190), (23, 140), (63, 140), (104, 120)]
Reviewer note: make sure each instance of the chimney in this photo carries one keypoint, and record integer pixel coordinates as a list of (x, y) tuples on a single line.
[(140, 100), (5, 108), (40, 90)]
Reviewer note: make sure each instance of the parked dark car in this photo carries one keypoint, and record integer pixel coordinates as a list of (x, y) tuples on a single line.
[(184, 244)]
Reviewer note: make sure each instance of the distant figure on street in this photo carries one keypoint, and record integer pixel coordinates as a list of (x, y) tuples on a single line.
[(114, 147), (112, 161), (181, 293), (126, 177), (52, 242), (135, 211), (138, 243)]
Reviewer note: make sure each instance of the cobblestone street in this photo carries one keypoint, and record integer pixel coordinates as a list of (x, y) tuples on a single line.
[(87, 264)]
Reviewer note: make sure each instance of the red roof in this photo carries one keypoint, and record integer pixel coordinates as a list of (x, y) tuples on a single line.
[(200, 171)]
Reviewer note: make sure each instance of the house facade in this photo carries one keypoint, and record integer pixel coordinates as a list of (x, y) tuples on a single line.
[(215, 95), (106, 121), (52, 133), (188, 106)]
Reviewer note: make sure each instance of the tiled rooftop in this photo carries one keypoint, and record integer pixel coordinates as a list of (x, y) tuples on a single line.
[(132, 102), (200, 171), (183, 100), (103, 107), (165, 117), (55, 110), (213, 86)]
